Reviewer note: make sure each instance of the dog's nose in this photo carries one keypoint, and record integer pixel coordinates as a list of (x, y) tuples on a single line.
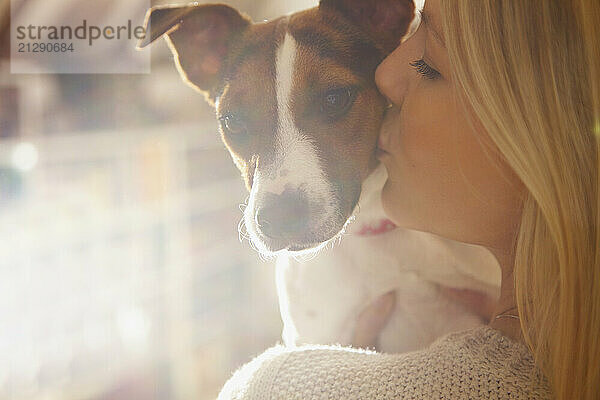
[(283, 216)]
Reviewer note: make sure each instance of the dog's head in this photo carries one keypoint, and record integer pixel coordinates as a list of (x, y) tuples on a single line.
[(297, 104)]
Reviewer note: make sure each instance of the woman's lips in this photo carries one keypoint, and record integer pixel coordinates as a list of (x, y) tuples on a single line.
[(379, 152), (387, 129)]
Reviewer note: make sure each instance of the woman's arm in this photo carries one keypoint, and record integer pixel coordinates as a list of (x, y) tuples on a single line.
[(476, 364), (310, 372)]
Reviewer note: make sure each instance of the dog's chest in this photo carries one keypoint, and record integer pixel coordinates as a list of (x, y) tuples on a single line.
[(324, 295)]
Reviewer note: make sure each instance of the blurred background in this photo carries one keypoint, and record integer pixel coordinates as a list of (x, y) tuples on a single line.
[(122, 275)]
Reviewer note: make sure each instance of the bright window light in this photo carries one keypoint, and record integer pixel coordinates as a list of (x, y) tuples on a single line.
[(24, 156)]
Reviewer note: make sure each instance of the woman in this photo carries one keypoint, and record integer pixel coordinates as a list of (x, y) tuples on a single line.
[(493, 139)]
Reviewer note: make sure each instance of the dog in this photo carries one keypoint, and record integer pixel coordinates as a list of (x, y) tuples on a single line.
[(299, 112)]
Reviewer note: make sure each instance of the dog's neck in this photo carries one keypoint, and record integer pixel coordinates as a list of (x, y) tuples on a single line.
[(370, 218)]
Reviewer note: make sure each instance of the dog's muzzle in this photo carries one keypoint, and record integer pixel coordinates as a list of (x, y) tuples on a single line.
[(283, 218)]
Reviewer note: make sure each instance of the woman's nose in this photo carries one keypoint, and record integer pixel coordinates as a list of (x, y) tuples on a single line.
[(391, 76)]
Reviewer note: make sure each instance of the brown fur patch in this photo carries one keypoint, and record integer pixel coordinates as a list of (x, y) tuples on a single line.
[(326, 59)]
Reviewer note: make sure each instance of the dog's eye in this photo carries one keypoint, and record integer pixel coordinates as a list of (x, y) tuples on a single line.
[(232, 125), (337, 102)]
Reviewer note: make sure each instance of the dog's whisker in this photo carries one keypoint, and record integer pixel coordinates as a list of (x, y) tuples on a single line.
[(305, 257), (256, 249), (242, 231), (266, 257)]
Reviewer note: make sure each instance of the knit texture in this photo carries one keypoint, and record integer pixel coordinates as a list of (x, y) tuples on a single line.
[(475, 364)]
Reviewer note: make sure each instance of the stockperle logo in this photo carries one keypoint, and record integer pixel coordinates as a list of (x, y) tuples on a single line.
[(85, 37)]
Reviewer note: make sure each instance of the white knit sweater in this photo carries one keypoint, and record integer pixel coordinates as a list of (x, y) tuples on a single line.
[(475, 364)]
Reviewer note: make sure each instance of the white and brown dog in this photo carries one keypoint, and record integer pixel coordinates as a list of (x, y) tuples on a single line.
[(300, 114)]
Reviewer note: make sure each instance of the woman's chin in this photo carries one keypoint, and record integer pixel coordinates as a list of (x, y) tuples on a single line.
[(405, 212), (395, 207)]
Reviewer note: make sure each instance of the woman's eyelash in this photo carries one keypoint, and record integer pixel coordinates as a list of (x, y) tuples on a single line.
[(425, 69)]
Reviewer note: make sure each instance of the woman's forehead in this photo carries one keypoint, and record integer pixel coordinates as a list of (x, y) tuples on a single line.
[(431, 17), (431, 11)]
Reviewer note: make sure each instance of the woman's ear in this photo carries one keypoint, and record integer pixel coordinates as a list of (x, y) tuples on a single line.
[(385, 21), (200, 37)]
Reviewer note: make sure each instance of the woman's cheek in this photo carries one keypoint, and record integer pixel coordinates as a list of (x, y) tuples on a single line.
[(421, 142), (424, 176)]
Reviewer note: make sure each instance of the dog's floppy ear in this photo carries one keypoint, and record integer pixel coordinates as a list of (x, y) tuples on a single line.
[(385, 21), (199, 36)]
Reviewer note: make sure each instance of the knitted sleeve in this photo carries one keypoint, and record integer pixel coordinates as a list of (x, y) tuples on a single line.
[(481, 364)]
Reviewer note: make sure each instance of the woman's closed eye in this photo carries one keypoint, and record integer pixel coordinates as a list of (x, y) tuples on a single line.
[(425, 69)]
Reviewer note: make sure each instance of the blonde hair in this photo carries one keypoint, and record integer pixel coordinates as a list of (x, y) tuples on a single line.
[(530, 70)]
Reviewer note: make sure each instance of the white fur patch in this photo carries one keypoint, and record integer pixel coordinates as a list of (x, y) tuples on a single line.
[(296, 160), (296, 163)]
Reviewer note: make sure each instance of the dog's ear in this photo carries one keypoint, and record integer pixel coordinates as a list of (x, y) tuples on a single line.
[(385, 21), (200, 37)]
